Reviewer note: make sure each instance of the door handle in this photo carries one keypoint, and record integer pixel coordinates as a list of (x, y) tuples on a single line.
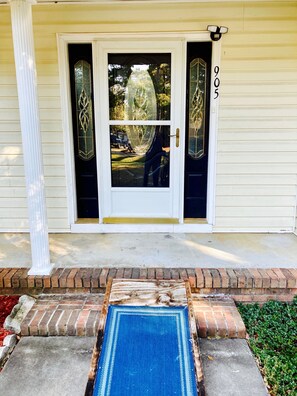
[(176, 137)]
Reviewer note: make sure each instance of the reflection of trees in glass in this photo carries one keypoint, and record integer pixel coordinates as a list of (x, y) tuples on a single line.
[(139, 90), (161, 77), (119, 75)]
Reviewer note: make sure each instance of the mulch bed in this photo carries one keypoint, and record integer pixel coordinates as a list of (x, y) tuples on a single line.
[(6, 305)]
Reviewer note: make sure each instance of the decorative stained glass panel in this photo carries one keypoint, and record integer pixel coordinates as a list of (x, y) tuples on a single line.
[(139, 86), (197, 97), (84, 112)]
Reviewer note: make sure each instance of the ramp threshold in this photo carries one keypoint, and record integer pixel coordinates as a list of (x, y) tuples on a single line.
[(147, 344)]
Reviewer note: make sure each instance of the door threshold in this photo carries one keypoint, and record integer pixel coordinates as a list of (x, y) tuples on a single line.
[(139, 220), (195, 221), (87, 221)]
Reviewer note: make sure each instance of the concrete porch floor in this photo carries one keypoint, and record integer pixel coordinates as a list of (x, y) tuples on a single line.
[(156, 250)]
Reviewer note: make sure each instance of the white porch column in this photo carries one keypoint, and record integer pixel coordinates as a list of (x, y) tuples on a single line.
[(23, 42)]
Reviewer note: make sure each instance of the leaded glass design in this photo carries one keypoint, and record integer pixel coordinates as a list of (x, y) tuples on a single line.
[(84, 112), (197, 97)]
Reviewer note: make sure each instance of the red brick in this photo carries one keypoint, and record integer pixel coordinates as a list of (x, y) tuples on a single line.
[(47, 283), (2, 275), (135, 273), (159, 274), (15, 280), (211, 325), (216, 280), (199, 278), (86, 277), (274, 282), (92, 323), (224, 277), (31, 281), (240, 278), (143, 273), (71, 327), (291, 281), (127, 273), (232, 278), (120, 273), (257, 278), (221, 325), (201, 324), (43, 324), (174, 273), (282, 280), (192, 277), (52, 324), (26, 322), (95, 277), (39, 282), (63, 277), (249, 279), (207, 278), (167, 274), (265, 278), (24, 280), (62, 324), (294, 273), (70, 280), (55, 277), (81, 322), (78, 280), (151, 273), (8, 276), (35, 322)]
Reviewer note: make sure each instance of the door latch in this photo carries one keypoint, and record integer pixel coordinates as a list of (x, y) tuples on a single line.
[(176, 137)]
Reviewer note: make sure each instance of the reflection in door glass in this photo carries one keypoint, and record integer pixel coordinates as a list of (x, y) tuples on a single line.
[(139, 86), (143, 168), (197, 92)]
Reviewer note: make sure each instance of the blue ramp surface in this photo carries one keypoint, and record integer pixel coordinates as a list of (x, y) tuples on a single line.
[(146, 352)]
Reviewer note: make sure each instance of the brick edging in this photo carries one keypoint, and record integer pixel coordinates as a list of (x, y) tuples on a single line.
[(241, 284)]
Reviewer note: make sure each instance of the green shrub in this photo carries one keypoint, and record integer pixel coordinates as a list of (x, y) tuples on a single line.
[(272, 329)]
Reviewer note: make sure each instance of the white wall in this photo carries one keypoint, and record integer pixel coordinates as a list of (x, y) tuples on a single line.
[(257, 139)]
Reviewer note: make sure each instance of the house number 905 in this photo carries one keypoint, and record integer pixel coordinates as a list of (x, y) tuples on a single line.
[(217, 81)]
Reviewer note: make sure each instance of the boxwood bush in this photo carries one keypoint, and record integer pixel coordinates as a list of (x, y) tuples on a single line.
[(272, 330)]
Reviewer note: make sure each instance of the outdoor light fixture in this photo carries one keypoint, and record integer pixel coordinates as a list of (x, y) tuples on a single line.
[(216, 31)]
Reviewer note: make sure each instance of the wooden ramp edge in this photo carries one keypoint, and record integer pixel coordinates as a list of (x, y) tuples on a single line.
[(149, 293)]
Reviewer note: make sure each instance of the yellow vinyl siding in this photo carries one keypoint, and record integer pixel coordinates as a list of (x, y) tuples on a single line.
[(257, 141), (257, 138)]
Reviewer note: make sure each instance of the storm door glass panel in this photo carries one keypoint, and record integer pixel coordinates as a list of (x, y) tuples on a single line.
[(83, 96), (139, 110), (197, 99), (139, 168)]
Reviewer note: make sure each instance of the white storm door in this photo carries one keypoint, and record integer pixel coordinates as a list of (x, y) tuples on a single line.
[(139, 113)]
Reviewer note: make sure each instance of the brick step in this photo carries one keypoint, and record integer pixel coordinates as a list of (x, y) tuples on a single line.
[(70, 315), (244, 285)]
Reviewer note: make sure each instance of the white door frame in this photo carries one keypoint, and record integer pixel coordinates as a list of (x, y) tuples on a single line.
[(62, 41)]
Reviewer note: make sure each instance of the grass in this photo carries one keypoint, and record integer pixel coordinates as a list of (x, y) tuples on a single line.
[(272, 331)]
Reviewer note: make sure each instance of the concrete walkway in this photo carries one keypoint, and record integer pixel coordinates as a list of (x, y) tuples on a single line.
[(51, 366), (157, 250)]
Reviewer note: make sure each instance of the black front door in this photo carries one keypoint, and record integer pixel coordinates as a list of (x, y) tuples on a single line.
[(197, 129), (80, 63)]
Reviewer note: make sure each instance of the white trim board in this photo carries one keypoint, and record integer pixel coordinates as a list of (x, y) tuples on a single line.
[(62, 41)]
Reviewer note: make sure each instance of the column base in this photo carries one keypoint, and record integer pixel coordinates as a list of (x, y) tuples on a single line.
[(41, 271)]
